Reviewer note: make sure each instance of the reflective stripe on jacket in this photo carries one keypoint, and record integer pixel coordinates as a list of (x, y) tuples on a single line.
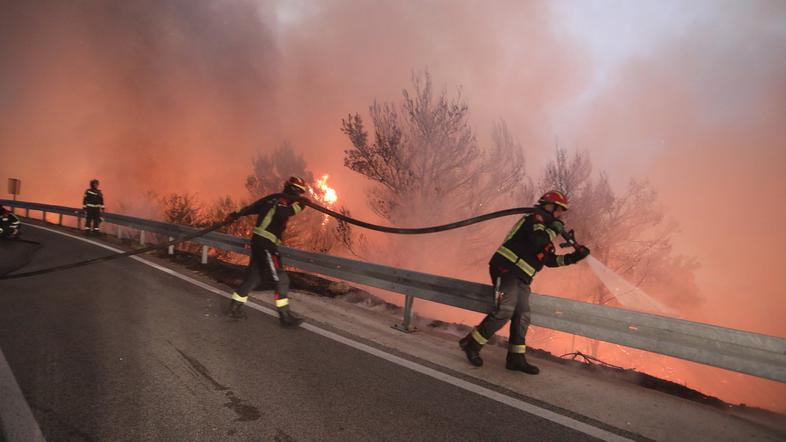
[(528, 247), (273, 217), (93, 198)]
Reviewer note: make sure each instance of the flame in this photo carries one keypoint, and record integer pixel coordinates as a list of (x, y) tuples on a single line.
[(324, 194), (330, 196)]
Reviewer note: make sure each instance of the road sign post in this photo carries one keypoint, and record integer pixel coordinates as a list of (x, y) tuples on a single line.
[(14, 187)]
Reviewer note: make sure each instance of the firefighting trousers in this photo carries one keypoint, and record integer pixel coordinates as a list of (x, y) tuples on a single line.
[(512, 305), (265, 260), (93, 218)]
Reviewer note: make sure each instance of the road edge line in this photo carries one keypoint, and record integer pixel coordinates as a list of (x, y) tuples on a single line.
[(519, 404)]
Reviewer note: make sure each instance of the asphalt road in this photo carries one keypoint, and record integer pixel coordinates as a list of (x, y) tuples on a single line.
[(121, 351)]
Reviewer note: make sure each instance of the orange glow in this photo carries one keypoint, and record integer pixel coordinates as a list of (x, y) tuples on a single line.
[(183, 102), (328, 194), (324, 194)]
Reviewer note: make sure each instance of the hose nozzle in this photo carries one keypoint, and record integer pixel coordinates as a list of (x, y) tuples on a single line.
[(570, 239)]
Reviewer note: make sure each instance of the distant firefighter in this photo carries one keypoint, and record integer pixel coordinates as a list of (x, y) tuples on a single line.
[(93, 204), (9, 224), (526, 249), (272, 217)]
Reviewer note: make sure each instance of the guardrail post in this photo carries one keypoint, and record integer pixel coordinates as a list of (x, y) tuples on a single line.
[(119, 232), (204, 254), (142, 237), (59, 219), (27, 213), (405, 326), (43, 216), (79, 222), (171, 248)]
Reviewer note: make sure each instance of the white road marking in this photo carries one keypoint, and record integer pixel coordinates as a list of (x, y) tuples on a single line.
[(18, 422), (422, 369)]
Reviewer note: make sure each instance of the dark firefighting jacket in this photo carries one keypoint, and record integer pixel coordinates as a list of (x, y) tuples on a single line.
[(272, 217), (528, 247), (93, 198), (9, 225)]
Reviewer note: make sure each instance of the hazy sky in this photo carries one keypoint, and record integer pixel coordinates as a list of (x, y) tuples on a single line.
[(179, 95)]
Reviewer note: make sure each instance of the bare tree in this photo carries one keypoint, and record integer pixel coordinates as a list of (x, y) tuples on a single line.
[(181, 208), (429, 168), (501, 183), (567, 174), (270, 171), (184, 209), (423, 155), (628, 232), (218, 212), (501, 180)]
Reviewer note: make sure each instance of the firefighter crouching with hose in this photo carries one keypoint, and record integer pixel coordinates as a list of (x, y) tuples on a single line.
[(9, 224), (526, 249), (272, 217)]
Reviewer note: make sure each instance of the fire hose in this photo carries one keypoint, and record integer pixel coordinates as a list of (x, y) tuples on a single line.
[(386, 229)]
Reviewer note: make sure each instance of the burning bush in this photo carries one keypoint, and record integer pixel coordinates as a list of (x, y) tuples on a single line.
[(310, 230)]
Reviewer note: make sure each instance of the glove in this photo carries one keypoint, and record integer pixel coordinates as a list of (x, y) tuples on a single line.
[(580, 253), (557, 226)]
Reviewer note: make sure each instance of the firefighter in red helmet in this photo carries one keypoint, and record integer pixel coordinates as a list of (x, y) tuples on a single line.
[(526, 249), (272, 217)]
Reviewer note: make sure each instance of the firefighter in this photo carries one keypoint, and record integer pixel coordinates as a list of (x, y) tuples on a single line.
[(9, 224), (526, 249), (271, 223), (93, 205)]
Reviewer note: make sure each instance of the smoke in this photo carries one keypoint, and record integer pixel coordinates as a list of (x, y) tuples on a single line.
[(702, 114), (145, 95), (626, 293), (181, 95)]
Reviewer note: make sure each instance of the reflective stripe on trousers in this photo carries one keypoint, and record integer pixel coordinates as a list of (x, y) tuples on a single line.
[(513, 306), (92, 218), (265, 259)]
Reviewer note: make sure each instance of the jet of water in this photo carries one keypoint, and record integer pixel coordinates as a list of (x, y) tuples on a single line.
[(626, 293)]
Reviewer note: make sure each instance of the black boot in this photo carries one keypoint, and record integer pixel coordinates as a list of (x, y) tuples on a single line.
[(236, 310), (288, 318), (518, 362), (472, 349)]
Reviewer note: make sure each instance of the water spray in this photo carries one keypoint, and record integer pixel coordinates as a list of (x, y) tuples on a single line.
[(626, 293)]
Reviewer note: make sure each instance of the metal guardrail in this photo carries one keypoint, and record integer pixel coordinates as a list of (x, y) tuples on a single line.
[(745, 352)]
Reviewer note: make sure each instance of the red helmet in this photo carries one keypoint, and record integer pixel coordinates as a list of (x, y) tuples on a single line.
[(554, 197), (296, 183)]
